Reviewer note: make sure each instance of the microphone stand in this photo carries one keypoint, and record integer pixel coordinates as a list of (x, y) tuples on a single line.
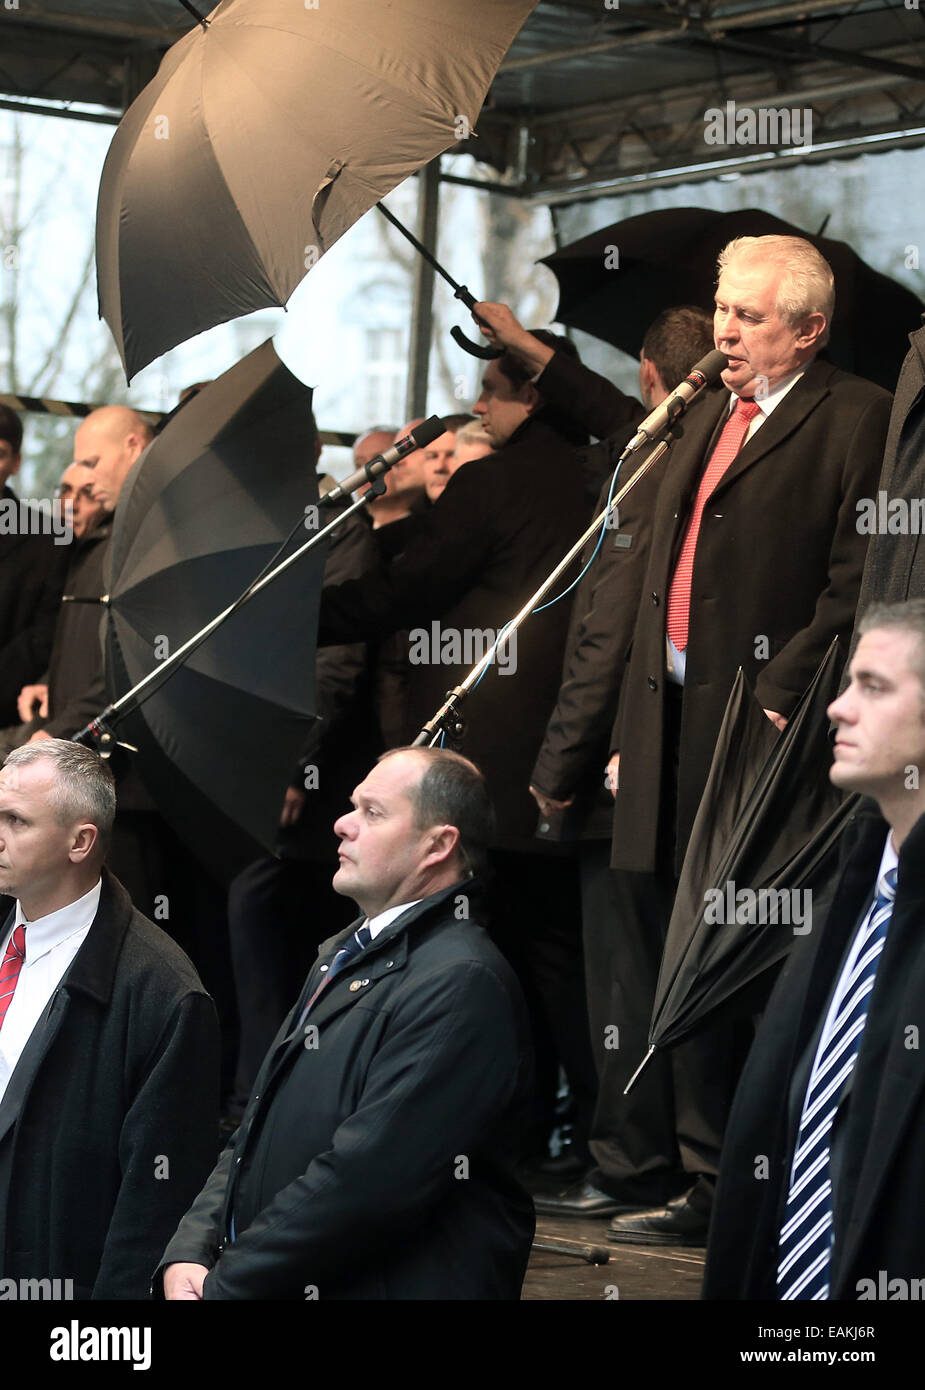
[(448, 719), (100, 729)]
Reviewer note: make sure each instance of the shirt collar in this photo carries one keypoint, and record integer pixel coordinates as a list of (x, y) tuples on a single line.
[(383, 919), (773, 399), (49, 931)]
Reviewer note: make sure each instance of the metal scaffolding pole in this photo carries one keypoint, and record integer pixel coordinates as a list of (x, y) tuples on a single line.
[(422, 307)]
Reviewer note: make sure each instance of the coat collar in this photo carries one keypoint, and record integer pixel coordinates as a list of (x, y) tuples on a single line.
[(93, 969), (386, 955)]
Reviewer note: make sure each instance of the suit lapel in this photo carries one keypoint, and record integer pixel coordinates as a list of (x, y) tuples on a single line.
[(787, 417)]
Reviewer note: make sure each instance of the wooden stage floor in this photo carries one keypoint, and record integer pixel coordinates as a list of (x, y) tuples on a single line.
[(632, 1271)]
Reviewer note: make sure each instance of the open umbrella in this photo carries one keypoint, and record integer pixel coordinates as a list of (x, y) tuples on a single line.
[(207, 505), (761, 859), (614, 282), (267, 132)]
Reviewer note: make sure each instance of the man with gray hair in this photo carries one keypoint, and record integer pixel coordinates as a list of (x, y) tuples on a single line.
[(108, 1044), (755, 561)]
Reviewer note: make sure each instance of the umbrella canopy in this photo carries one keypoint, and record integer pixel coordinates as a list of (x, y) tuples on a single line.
[(614, 282), (769, 823), (205, 508), (264, 136)]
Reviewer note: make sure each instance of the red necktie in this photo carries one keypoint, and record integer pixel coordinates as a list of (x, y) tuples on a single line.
[(9, 970), (727, 446)]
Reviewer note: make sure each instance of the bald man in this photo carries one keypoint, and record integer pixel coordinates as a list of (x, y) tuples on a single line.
[(404, 484), (109, 442)]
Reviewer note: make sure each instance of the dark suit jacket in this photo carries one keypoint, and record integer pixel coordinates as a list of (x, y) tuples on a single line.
[(32, 570), (777, 574), (373, 1158), (108, 1125), (500, 526), (76, 689), (879, 1143), (895, 567)]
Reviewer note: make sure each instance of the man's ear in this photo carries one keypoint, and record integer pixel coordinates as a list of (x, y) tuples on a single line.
[(15, 465), (444, 840), (85, 837), (530, 397), (810, 330)]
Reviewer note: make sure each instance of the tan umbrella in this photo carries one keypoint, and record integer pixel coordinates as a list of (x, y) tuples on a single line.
[(268, 131)]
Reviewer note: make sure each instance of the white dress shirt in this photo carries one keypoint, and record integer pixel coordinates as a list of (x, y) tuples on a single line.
[(52, 942), (380, 922), (676, 661)]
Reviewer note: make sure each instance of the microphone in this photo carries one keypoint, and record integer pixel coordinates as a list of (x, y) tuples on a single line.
[(419, 438), (705, 373)]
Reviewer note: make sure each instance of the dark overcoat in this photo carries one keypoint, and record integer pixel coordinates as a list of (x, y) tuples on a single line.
[(32, 570), (373, 1160), (776, 576), (895, 566), (108, 1125), (878, 1148), (500, 526)]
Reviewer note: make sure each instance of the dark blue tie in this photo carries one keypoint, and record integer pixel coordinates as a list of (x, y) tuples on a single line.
[(350, 949), (805, 1250)]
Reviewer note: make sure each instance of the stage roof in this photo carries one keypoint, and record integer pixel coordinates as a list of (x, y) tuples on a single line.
[(592, 99)]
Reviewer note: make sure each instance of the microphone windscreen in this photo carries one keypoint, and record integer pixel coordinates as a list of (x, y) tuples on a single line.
[(432, 428), (711, 366)]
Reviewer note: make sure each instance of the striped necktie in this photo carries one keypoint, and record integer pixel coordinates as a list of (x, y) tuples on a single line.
[(727, 446), (805, 1249), (9, 971), (351, 948)]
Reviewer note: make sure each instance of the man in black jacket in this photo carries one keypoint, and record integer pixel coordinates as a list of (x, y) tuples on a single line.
[(373, 1161), (32, 569), (108, 1045), (820, 1190)]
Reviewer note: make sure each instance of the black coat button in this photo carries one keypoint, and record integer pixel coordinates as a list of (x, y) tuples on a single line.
[(653, 683), (655, 599)]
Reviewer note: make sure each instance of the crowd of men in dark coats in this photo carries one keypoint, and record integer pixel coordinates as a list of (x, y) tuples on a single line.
[(594, 729)]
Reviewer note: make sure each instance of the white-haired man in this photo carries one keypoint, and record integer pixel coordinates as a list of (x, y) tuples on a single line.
[(109, 1045), (755, 561)]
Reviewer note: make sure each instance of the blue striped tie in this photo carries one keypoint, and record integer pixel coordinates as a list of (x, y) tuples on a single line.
[(805, 1249)]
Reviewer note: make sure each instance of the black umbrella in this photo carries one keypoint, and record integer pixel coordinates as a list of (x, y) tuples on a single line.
[(207, 506), (267, 132), (614, 282), (760, 863)]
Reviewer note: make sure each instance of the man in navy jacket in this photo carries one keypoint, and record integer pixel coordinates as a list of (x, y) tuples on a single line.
[(373, 1160)]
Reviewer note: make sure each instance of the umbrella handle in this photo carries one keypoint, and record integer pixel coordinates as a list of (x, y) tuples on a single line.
[(487, 354)]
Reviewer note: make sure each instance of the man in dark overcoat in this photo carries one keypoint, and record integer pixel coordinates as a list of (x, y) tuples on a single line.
[(108, 1045), (32, 569), (820, 1191), (756, 557), (374, 1157)]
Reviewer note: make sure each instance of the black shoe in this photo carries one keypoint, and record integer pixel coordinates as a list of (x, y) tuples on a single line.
[(677, 1223), (584, 1199)]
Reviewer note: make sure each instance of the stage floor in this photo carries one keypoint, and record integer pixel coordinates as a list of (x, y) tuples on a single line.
[(632, 1272)]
